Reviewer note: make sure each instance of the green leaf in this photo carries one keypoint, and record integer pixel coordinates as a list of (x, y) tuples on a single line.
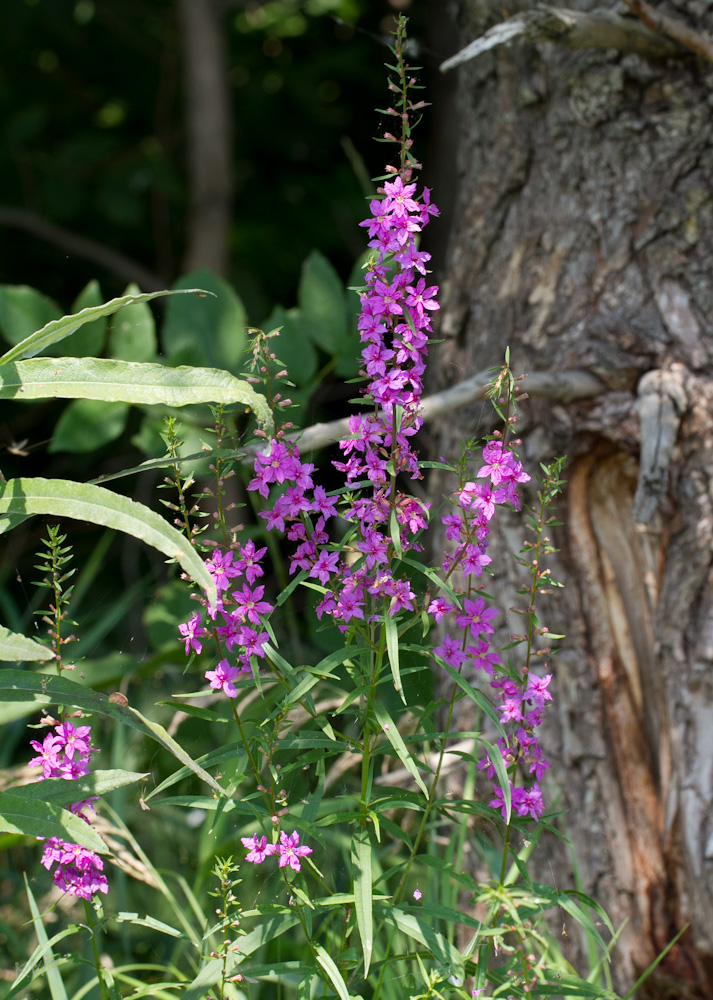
[(61, 792), (58, 329), (392, 648), (361, 864), (205, 331), (395, 739), (269, 927), (16, 648), (24, 310), (43, 951), (333, 973), (496, 757), (321, 300), (477, 696), (415, 926), (19, 685), (89, 339), (128, 382), (33, 818), (132, 332), (84, 502), (88, 424), (293, 346)]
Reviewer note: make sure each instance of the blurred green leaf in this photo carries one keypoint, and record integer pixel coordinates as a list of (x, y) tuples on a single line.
[(24, 310), (89, 424), (16, 648), (205, 331), (132, 331), (293, 347), (321, 300)]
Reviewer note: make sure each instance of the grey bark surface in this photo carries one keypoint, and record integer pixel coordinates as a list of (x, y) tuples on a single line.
[(581, 236)]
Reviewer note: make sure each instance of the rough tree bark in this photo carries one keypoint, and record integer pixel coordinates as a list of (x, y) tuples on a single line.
[(581, 236)]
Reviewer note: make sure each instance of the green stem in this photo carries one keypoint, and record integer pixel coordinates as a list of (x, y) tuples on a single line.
[(92, 934)]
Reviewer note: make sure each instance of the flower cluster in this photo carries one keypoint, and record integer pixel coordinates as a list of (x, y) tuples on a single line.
[(521, 702), (240, 611), (289, 850), (65, 753), (394, 326)]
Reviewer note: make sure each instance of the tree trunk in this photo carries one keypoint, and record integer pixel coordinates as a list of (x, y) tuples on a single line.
[(208, 134), (581, 236)]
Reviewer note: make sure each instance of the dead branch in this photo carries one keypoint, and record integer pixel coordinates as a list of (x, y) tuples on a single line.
[(597, 29)]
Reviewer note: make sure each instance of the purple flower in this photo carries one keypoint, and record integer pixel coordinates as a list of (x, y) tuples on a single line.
[(191, 632), (250, 604), (259, 849), (223, 677), (325, 565), (290, 851), (477, 617), (450, 652)]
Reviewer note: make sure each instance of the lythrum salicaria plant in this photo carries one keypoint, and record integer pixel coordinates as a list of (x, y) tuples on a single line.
[(331, 861)]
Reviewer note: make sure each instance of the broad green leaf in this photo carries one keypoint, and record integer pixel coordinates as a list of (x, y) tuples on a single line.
[(33, 818), (88, 424), (205, 331), (19, 685), (24, 310), (61, 792), (333, 973), (16, 648), (84, 502), (395, 739), (128, 382), (293, 346), (88, 341), (361, 865), (132, 331), (321, 300), (58, 329)]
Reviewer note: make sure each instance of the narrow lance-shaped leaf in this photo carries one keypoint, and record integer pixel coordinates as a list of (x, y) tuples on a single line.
[(16, 648), (132, 382), (84, 502), (58, 329), (333, 973), (396, 740), (18, 685), (361, 864)]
